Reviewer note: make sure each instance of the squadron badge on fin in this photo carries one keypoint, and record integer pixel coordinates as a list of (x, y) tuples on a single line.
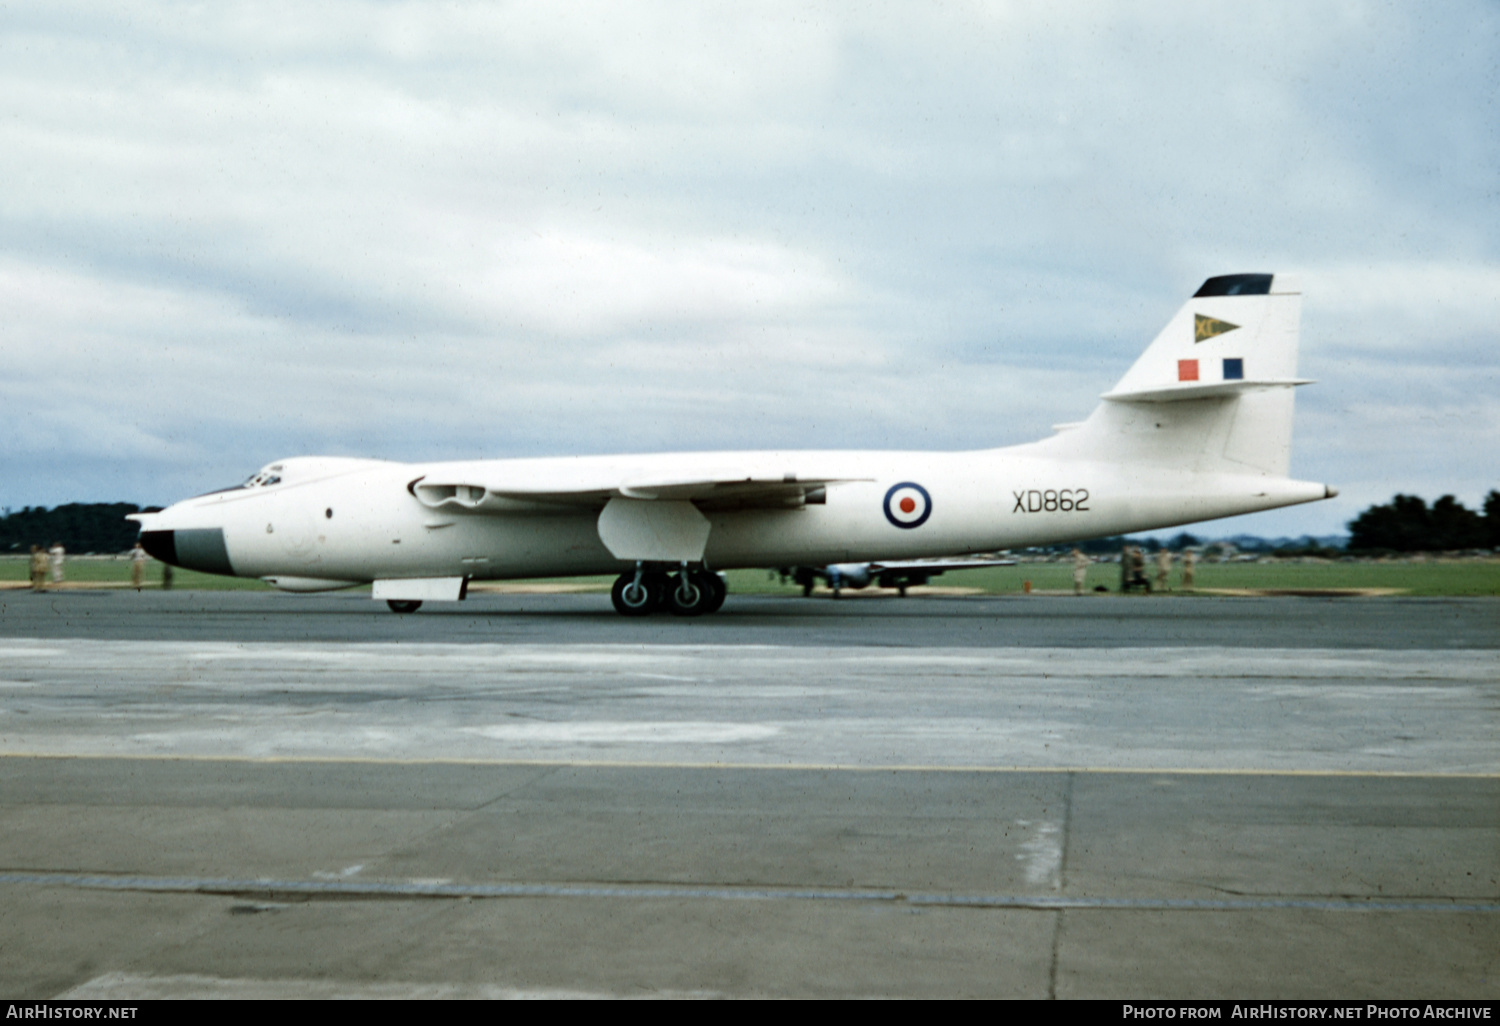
[(1208, 327)]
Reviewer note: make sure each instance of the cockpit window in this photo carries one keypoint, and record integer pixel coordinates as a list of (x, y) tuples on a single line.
[(263, 479)]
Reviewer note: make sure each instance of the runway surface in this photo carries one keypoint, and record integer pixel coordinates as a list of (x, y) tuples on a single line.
[(248, 794), (994, 621)]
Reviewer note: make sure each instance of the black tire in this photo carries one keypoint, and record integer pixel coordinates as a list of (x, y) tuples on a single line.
[(659, 583), (718, 592), (631, 599), (403, 605), (689, 595)]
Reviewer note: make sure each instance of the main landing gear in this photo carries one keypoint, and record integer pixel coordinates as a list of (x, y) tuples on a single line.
[(686, 593)]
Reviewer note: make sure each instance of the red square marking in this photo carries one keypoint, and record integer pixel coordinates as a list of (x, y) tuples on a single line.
[(1187, 370)]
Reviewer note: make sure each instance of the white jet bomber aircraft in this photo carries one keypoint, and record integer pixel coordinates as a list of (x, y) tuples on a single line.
[(1200, 427)]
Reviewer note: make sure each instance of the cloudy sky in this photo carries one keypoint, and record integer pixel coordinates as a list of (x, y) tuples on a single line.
[(231, 233)]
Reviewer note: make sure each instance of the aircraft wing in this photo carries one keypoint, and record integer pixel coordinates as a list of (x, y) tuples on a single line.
[(713, 490), (888, 573), (939, 565)]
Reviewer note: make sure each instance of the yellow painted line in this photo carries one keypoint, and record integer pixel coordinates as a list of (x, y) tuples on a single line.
[(340, 760)]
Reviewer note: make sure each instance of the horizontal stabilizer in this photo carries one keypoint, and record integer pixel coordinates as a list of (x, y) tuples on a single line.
[(1175, 393)]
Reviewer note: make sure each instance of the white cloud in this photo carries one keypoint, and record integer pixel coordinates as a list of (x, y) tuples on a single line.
[(408, 229), (1397, 308), (575, 285)]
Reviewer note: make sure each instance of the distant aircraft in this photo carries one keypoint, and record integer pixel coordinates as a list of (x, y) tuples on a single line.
[(886, 574), (1200, 427)]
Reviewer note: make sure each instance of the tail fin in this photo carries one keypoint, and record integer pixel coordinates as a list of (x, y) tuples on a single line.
[(1212, 392), (1238, 331)]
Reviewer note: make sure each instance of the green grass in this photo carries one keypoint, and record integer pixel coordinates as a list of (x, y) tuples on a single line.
[(1431, 578), (85, 570), (1428, 578)]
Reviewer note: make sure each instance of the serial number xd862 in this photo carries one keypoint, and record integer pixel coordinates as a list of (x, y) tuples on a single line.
[(1065, 500)]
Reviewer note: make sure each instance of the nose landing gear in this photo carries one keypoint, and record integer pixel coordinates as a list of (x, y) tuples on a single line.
[(689, 592)]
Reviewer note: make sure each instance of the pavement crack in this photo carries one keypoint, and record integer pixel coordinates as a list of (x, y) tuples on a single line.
[(1062, 884)]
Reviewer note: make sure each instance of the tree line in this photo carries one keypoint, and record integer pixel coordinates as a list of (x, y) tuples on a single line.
[(79, 526), (1408, 524)]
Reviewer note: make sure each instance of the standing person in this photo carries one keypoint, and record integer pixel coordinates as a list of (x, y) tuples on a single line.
[(55, 556), (137, 566), (1080, 570), (1124, 569), (38, 569), (1138, 569), (1189, 564), (1163, 568)]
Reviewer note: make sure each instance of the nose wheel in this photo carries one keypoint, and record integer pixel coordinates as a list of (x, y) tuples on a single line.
[(403, 605)]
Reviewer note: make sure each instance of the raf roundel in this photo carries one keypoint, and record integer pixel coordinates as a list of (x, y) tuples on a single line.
[(908, 505)]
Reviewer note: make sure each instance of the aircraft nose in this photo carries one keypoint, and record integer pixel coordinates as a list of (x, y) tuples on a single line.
[(161, 545), (198, 548)]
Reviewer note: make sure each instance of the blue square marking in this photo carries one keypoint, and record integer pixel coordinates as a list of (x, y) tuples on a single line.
[(1234, 369)]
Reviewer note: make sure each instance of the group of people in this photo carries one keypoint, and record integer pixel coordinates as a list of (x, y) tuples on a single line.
[(48, 562), (1133, 569), (45, 562)]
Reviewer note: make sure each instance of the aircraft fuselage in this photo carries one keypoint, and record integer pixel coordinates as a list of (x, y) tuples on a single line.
[(356, 521)]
